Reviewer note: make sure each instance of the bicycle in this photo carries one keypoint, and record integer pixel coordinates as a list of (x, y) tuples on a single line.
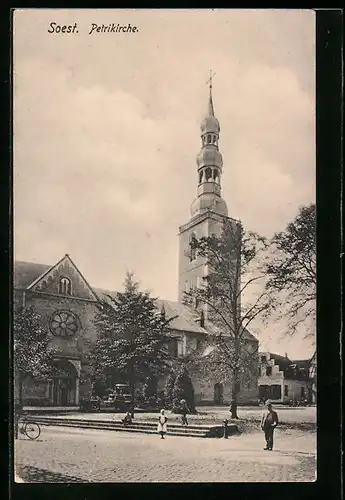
[(29, 428)]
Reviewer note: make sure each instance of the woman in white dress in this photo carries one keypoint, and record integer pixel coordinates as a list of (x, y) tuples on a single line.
[(162, 424)]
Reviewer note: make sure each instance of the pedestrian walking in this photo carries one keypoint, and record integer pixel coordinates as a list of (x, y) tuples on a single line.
[(269, 422), (162, 424), (184, 411)]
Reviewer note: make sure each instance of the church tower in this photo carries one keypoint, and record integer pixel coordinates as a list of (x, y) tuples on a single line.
[(208, 210)]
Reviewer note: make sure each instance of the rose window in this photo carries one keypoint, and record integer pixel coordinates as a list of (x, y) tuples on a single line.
[(64, 324)]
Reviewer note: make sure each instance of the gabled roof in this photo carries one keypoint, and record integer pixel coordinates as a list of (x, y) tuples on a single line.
[(185, 318), (25, 273), (282, 361), (29, 274), (278, 358)]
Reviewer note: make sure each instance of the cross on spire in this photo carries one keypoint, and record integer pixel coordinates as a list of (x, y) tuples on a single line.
[(210, 102), (210, 79)]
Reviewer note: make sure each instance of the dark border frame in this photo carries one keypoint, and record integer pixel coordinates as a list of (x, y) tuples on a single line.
[(329, 177)]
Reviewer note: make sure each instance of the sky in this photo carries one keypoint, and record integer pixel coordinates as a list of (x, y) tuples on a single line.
[(107, 129)]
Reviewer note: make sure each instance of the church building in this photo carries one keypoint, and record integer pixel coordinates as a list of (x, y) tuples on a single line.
[(67, 302)]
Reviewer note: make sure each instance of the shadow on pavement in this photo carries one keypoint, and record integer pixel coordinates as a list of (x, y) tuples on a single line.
[(35, 475)]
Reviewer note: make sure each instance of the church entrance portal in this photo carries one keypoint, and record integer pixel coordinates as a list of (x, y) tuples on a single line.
[(64, 384)]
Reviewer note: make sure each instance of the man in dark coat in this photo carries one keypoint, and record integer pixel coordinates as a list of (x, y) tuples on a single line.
[(269, 422)]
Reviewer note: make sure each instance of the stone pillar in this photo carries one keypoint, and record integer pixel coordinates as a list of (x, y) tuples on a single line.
[(283, 391), (77, 366), (77, 391)]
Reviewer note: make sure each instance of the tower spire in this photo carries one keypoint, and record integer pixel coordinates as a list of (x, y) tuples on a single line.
[(210, 100), (209, 164)]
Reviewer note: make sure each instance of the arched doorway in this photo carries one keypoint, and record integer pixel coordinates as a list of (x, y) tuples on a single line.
[(64, 384), (218, 393)]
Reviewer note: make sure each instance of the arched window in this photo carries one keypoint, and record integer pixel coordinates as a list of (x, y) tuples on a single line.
[(208, 174), (200, 176), (209, 139), (65, 287), (192, 247)]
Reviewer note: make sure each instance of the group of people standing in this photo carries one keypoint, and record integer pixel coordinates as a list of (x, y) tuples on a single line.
[(162, 419), (269, 422)]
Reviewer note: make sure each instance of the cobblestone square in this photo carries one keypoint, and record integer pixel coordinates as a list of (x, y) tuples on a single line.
[(76, 455)]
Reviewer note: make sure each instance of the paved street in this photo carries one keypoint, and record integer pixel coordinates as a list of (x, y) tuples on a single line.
[(79, 455)]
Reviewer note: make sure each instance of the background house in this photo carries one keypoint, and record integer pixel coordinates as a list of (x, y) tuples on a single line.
[(283, 380)]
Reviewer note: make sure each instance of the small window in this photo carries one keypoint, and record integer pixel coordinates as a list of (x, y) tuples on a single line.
[(208, 174), (286, 390), (209, 139), (65, 287), (269, 370)]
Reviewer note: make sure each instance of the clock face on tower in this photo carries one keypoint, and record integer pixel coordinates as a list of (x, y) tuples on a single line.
[(64, 324)]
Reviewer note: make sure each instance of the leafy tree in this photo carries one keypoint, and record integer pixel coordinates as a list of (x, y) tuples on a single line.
[(169, 386), (292, 269), (183, 389), (149, 391), (31, 351), (149, 388), (232, 295), (132, 338)]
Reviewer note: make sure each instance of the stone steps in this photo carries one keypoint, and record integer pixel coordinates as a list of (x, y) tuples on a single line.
[(136, 427)]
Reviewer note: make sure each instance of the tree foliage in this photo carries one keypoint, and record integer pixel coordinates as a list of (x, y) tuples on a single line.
[(32, 353), (183, 389), (169, 386), (149, 389), (292, 268), (234, 295), (132, 338)]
